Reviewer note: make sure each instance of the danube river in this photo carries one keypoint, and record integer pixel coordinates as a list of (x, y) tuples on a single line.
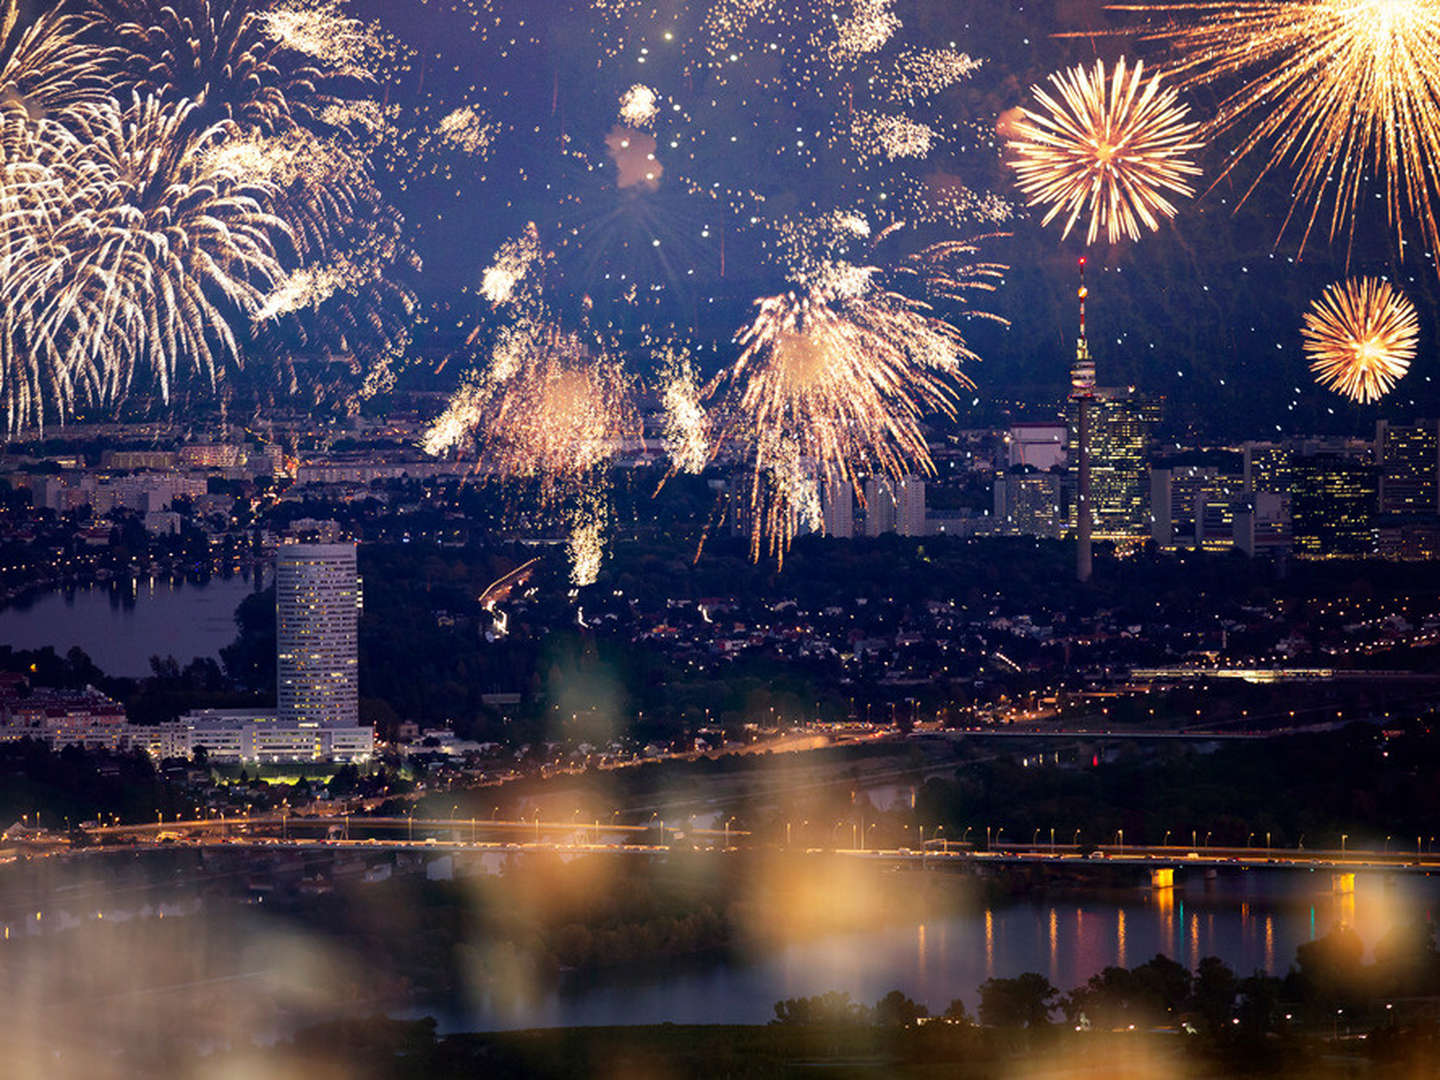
[(122, 624), (199, 939), (1252, 921)]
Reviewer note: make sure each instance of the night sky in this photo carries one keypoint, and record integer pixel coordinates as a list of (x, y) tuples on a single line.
[(1206, 311)]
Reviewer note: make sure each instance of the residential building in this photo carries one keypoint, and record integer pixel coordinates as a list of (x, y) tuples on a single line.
[(317, 599)]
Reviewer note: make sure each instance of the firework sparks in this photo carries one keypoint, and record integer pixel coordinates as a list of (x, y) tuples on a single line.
[(586, 543), (1114, 145), (124, 247), (830, 387), (1339, 90), (686, 429), (1361, 336), (468, 131), (320, 30), (639, 106), (893, 136), (516, 260)]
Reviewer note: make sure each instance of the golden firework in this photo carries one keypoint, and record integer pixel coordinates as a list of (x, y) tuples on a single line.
[(1361, 336), (833, 384), (1116, 145), (1341, 91)]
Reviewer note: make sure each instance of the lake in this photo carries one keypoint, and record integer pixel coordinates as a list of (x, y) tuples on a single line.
[(121, 624)]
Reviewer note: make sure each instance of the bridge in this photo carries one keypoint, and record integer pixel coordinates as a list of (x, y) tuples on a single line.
[(574, 835)]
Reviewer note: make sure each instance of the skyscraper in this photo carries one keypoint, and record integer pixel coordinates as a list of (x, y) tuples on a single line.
[(1120, 420), (910, 507), (838, 508), (1082, 390), (1268, 467), (879, 506), (1334, 507), (1409, 460), (317, 609), (1028, 503)]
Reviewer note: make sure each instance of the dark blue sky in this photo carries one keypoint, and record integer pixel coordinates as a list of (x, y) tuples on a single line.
[(1206, 312)]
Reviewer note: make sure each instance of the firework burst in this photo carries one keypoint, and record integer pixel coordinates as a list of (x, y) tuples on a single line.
[(1340, 91), (1114, 145), (125, 249), (1361, 336), (834, 382)]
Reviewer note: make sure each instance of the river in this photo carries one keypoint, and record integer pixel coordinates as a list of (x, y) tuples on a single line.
[(1252, 921), (153, 932), (122, 624)]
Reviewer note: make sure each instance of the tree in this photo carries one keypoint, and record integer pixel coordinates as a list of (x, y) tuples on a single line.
[(1164, 982), (828, 1009), (956, 1012), (1329, 969), (897, 1010), (1214, 992), (1024, 1001)]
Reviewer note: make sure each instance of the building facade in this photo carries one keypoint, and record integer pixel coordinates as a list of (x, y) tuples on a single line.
[(1121, 420), (1334, 507), (317, 612)]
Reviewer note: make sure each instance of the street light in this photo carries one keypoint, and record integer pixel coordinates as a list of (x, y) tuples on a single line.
[(1343, 838)]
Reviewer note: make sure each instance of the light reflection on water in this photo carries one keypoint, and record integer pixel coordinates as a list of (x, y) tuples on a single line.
[(1252, 922)]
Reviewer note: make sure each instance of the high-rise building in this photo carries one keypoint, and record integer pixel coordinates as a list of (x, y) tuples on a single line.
[(1028, 503), (838, 508), (1409, 460), (1193, 506), (1268, 467), (1120, 422), (317, 602), (879, 506), (1334, 506), (1262, 524), (910, 507), (1216, 504)]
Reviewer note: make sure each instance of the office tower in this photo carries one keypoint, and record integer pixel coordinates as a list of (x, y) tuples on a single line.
[(1028, 503), (317, 609), (1409, 460), (1040, 446), (1216, 502), (1120, 421), (1268, 467), (879, 506), (910, 507), (1334, 506), (838, 509), (1262, 524), (1173, 490)]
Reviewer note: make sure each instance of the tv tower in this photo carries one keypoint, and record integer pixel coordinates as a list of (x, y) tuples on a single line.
[(1082, 392)]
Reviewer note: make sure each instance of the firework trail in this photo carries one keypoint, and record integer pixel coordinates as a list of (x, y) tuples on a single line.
[(1339, 91)]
